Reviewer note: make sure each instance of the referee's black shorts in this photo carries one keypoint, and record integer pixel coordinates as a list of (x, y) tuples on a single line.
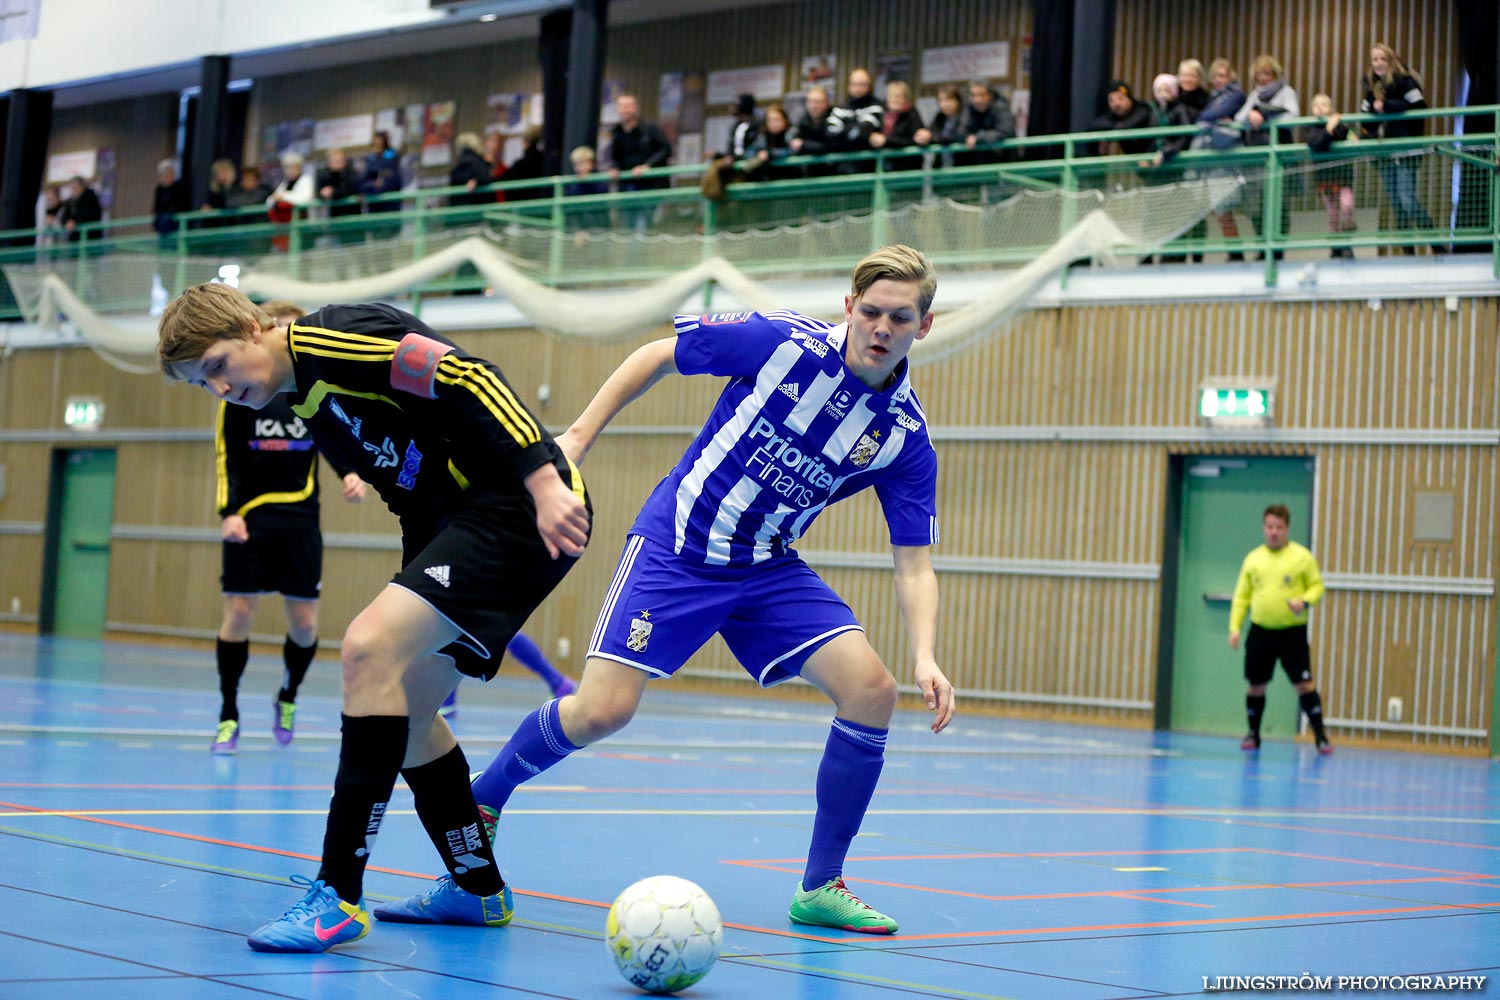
[(485, 570), (1264, 646), (285, 559)]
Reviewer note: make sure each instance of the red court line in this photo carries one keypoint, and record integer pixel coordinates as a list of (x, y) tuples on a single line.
[(1157, 899), (166, 788), (1340, 833)]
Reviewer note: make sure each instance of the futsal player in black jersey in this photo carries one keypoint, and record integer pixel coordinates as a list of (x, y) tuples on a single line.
[(493, 515), (266, 492)]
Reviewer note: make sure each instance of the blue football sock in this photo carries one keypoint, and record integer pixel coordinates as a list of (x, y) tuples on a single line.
[(536, 745), (533, 659), (846, 780)]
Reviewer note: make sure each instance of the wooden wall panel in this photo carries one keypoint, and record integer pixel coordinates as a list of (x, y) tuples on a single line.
[(854, 31), (1322, 45), (1084, 644)]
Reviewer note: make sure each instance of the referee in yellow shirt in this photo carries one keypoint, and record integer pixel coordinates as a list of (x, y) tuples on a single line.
[(1278, 582)]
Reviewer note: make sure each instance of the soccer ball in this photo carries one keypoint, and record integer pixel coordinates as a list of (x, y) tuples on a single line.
[(664, 933)]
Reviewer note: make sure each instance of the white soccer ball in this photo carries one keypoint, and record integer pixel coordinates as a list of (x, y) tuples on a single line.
[(664, 934)]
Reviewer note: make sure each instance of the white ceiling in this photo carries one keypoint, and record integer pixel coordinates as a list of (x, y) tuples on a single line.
[(518, 19)]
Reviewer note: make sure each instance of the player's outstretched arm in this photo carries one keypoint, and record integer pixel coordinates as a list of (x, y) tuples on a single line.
[(917, 593), (640, 371)]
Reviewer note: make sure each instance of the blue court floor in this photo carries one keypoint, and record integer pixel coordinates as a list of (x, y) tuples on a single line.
[(1023, 859)]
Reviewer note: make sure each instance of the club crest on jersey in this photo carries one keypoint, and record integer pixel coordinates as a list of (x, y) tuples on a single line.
[(864, 450), (813, 344), (724, 319), (640, 633)]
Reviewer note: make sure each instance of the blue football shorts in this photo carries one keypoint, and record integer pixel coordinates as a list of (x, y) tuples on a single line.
[(660, 609)]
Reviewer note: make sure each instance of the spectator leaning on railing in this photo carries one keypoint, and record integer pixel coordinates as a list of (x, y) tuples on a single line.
[(80, 209), (1221, 132), (1392, 89), (1190, 90), (1122, 112), (771, 147), (1271, 99), (988, 119), (636, 146), (900, 127), (171, 196), (1335, 181)]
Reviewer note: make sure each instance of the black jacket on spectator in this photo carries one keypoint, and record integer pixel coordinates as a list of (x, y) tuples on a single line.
[(1320, 141), (1162, 116), (80, 211), (344, 186), (1404, 94), (900, 130), (471, 166), (993, 124), (774, 144), (742, 137), (168, 201), (1195, 101), (820, 137), (1139, 116), (529, 166), (644, 145), (238, 197), (852, 124)]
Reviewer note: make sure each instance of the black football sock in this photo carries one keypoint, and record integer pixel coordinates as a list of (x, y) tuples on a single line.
[(1255, 707), (1313, 706), (297, 659), (445, 805), (231, 658), (369, 759)]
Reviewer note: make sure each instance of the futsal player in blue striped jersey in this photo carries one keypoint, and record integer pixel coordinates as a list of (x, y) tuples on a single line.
[(812, 413)]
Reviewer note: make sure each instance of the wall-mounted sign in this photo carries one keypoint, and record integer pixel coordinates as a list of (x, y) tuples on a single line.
[(83, 413)]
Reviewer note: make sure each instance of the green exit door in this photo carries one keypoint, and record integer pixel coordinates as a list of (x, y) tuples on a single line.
[(1220, 502), (79, 518)]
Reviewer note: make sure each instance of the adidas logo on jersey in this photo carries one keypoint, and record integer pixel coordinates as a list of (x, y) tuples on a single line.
[(438, 573), (791, 390)]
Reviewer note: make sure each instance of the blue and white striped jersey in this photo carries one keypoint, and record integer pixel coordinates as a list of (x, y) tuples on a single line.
[(792, 432)]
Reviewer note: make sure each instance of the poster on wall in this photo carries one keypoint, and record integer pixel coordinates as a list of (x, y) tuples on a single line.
[(689, 150), (820, 71), (437, 134), (105, 176), (669, 104), (415, 116), (1020, 105), (890, 67), (609, 113), (694, 89), (766, 83), (716, 132), (66, 166), (295, 137), (391, 121), (956, 63), (352, 132), (507, 114)]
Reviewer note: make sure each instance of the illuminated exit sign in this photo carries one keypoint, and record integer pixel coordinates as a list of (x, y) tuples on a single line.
[(83, 413), (1236, 402)]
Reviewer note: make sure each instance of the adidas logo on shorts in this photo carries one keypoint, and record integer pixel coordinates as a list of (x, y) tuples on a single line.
[(438, 573)]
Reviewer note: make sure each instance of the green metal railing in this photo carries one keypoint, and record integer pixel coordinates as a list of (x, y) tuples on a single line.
[(545, 221)]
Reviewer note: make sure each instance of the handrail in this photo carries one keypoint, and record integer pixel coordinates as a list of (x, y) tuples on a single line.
[(866, 179)]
